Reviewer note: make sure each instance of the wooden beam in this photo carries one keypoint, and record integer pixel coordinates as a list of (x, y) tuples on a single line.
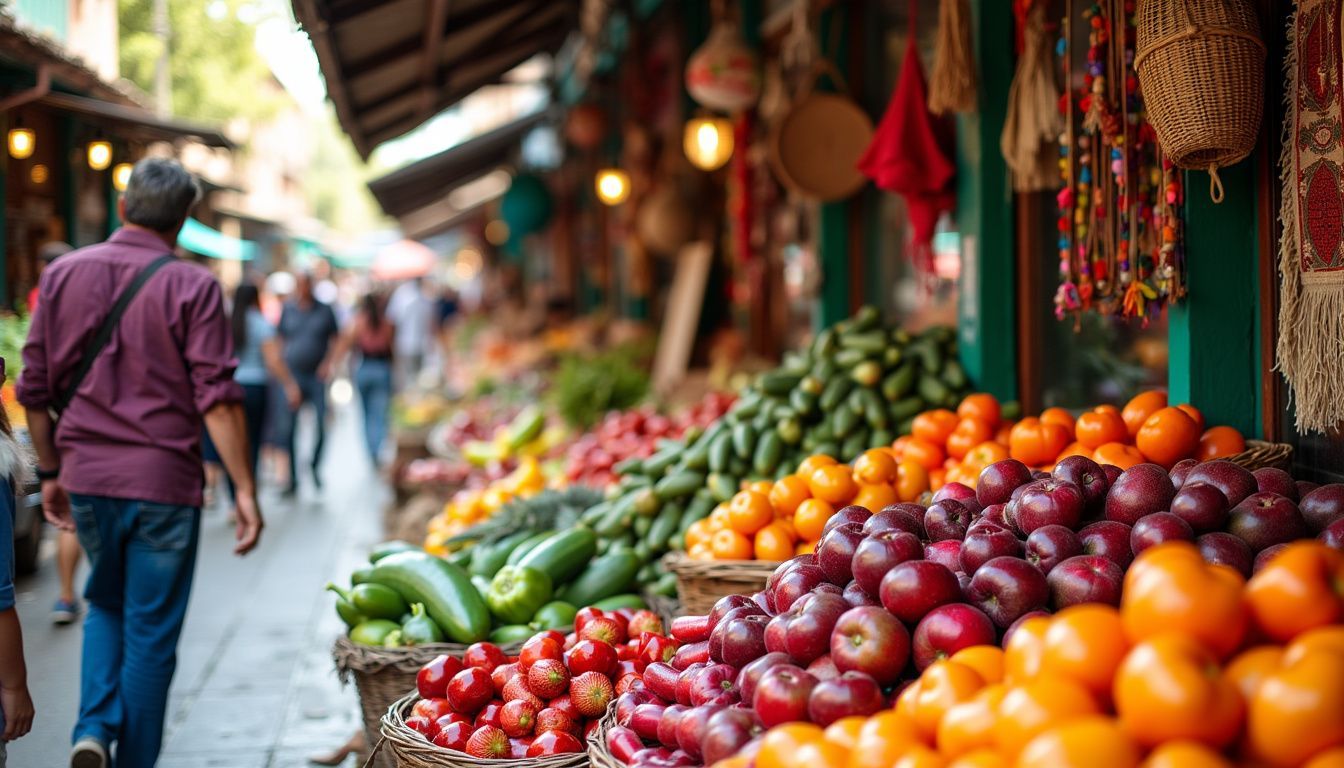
[(465, 24), (435, 19), (310, 18)]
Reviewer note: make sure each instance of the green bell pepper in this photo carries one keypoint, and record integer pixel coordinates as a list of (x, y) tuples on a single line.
[(373, 632), (346, 609), (516, 593), (378, 601), (419, 628)]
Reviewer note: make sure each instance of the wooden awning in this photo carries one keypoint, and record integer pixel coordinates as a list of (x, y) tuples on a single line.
[(390, 65), (135, 119)]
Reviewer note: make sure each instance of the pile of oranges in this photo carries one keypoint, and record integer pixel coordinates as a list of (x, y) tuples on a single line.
[(777, 520), (956, 446), (1196, 669)]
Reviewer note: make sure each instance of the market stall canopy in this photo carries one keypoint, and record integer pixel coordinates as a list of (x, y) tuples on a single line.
[(198, 238), (136, 119), (403, 260), (390, 65)]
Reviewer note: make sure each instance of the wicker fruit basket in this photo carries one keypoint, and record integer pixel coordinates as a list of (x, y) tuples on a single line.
[(407, 748), (700, 583), (598, 753), (384, 675), (1260, 454)]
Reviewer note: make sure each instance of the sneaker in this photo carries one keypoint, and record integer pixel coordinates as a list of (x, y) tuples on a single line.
[(88, 752), (64, 612)]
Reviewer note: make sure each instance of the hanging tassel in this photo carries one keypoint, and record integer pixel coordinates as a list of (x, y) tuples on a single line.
[(1032, 126), (952, 81)]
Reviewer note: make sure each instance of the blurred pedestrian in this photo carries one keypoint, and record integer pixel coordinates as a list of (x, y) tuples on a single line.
[(16, 706), (413, 313), (260, 362), (308, 328), (130, 361), (372, 333)]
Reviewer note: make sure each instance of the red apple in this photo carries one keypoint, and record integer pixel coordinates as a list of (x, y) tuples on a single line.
[(661, 680), (998, 480), (947, 629), (782, 694), (1156, 528), (1275, 480), (1265, 519), (667, 726), (823, 668), (1225, 549), (879, 553), (985, 543), (994, 513), (1266, 555), (727, 732), (686, 679), (852, 694), (913, 588), (1109, 539), (1007, 587), (957, 491), (1142, 490), (714, 684), (835, 551), (1085, 579), (485, 656), (1088, 476), (1113, 473), (1306, 486), (716, 635), (554, 743), (947, 519), (1051, 545), (751, 673), (1333, 535), (1322, 506), (432, 679), (470, 689), (454, 735), (872, 641), (897, 517), (1048, 502), (1235, 481), (627, 702), (797, 582), (946, 553), (851, 514), (856, 597), (1181, 470), (804, 631), (691, 728), (725, 604), (591, 656), (743, 640), (1201, 505)]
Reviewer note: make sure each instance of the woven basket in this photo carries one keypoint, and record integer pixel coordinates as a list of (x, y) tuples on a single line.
[(598, 753), (1201, 66), (1259, 454), (700, 583), (667, 608), (384, 675), (410, 749)]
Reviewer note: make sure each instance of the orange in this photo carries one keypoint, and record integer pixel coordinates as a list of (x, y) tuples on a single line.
[(1169, 588), (845, 731), (920, 757), (1074, 449), (1325, 638), (1034, 442), (875, 466), (875, 497), (819, 754), (937, 478), (882, 739), (701, 551), (1170, 687), (832, 484), (1301, 588), (782, 743), (730, 545), (934, 426), (749, 512), (1298, 710), (1022, 655), (805, 548), (1119, 454), (1250, 668), (1086, 644), (1193, 413), (980, 758), (969, 725), (719, 519), (943, 685), (912, 479), (810, 518), (1096, 428), (1088, 742), (1331, 758), (698, 533), (970, 432), (983, 455), (987, 660), (813, 463), (1185, 754), (762, 487), (926, 454), (983, 406), (1004, 432), (1058, 416), (1217, 442), (773, 542), (1167, 436), (1029, 709), (1143, 405), (787, 493)]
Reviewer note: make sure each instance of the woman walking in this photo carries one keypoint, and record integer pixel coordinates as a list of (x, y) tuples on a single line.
[(372, 333), (260, 360)]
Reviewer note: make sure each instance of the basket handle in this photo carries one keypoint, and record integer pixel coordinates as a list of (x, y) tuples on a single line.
[(1215, 184), (373, 753)]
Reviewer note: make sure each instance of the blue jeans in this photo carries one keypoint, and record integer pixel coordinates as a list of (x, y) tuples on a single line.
[(142, 557), (374, 380), (314, 391)]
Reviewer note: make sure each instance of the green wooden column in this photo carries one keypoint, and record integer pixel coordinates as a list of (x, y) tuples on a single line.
[(833, 227), (987, 307), (1214, 333)]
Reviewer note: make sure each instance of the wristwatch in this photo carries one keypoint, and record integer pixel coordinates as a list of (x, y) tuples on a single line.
[(44, 475)]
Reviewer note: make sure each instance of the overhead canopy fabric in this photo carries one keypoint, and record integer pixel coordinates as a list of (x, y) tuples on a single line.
[(140, 120), (198, 238), (390, 65)]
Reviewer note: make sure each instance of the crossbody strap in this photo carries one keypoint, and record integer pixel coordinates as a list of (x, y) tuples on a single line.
[(99, 340)]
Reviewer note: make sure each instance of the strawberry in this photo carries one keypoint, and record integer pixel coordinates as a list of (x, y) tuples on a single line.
[(591, 692), (564, 704), (516, 688), (490, 743), (629, 681), (518, 718), (502, 675), (644, 621), (603, 629), (552, 719), (548, 678)]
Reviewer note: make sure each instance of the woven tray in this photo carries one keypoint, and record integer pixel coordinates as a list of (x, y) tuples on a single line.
[(598, 753), (700, 583), (667, 608), (409, 749), (1259, 454), (384, 675)]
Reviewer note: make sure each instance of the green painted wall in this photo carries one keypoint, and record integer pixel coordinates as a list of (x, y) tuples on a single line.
[(833, 233)]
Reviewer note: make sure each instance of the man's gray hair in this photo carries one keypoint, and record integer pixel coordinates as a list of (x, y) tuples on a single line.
[(160, 194)]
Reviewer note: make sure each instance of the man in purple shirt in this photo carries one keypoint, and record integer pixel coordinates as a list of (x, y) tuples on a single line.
[(123, 466)]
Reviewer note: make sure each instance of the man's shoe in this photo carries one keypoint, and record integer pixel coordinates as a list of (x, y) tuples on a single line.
[(64, 612), (88, 752)]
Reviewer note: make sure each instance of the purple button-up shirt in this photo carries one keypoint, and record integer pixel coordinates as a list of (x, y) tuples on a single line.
[(133, 431)]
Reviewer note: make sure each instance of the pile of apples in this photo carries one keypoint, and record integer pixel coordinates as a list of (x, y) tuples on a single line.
[(886, 595), (621, 435), (548, 698)]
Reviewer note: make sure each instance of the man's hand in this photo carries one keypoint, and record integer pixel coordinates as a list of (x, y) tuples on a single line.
[(293, 396), (249, 523), (17, 707), (56, 505), (324, 370)]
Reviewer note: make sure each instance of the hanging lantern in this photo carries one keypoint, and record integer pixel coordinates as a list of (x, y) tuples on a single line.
[(586, 126), (22, 142), (100, 154), (724, 73), (708, 141), (665, 221), (121, 176), (613, 186)]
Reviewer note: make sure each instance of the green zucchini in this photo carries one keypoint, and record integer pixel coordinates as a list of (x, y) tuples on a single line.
[(611, 574), (386, 548), (899, 382), (564, 555), (527, 545), (511, 633), (361, 574), (450, 598), (616, 602), (487, 559)]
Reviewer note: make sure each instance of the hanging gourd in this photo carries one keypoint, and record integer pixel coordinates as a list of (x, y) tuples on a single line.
[(724, 73)]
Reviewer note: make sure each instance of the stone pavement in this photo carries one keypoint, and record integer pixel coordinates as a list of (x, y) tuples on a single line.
[(254, 686)]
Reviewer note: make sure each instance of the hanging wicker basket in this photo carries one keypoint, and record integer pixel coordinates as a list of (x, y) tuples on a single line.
[(1201, 66)]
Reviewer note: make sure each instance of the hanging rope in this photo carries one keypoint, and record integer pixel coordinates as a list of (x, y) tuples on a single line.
[(952, 80)]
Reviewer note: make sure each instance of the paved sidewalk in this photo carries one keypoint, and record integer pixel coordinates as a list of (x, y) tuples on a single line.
[(254, 687)]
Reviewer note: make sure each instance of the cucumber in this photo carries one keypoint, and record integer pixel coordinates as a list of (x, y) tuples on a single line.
[(377, 601), (931, 388), (843, 421), (892, 357), (881, 437), (644, 552), (646, 502), (641, 527), (617, 602), (905, 408), (663, 527), (699, 508), (867, 373), (865, 318), (462, 557), (769, 450), (373, 632), (854, 445), (954, 375), (564, 555), (869, 342), (722, 487), (617, 520), (849, 358), (836, 391), (811, 385), (660, 462), (611, 574), (790, 430), (825, 343), (556, 614), (898, 383), (361, 574), (527, 545), (449, 597), (678, 485), (386, 548), (511, 633), (744, 441), (828, 448), (697, 455), (778, 383), (747, 405), (630, 466), (525, 427), (594, 514), (721, 452), (487, 559), (666, 586)]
